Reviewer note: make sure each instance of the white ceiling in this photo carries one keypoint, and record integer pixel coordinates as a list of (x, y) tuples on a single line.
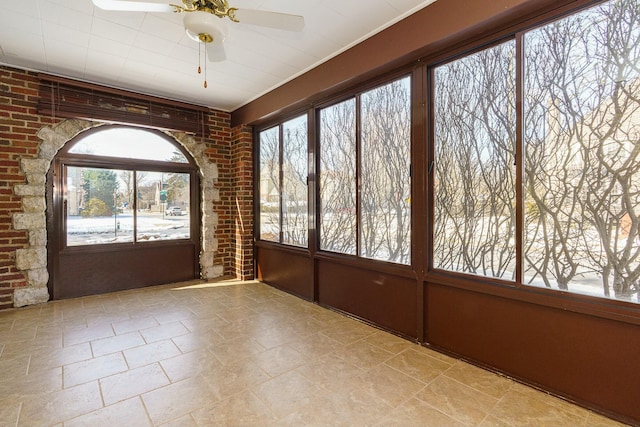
[(150, 52)]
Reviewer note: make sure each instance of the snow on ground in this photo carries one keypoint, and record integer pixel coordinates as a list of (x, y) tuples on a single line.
[(150, 226)]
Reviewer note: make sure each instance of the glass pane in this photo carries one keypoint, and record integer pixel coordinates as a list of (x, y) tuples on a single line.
[(96, 207), (294, 182), (129, 143), (582, 171), (474, 189), (270, 184), (163, 209), (385, 214), (338, 178)]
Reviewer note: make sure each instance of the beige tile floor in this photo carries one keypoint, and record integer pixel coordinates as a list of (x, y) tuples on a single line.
[(241, 354)]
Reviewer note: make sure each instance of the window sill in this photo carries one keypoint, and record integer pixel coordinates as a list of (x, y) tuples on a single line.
[(622, 311)]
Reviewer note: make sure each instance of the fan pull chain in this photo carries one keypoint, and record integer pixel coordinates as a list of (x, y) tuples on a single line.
[(202, 42), (205, 67), (199, 69)]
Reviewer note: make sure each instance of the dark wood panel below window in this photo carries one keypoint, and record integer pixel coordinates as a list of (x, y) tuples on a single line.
[(285, 268), (96, 272), (384, 299), (590, 360)]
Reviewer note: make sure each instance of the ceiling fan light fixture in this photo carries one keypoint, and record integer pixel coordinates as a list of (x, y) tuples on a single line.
[(204, 27), (204, 20)]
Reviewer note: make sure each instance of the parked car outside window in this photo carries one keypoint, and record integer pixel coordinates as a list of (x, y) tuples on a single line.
[(174, 210)]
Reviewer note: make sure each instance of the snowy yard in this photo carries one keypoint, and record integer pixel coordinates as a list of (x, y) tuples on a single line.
[(150, 226)]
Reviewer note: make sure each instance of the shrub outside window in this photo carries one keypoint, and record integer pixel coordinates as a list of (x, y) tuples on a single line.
[(295, 209), (365, 182), (385, 165), (580, 141), (270, 185), (582, 171), (282, 183), (474, 173), (338, 178)]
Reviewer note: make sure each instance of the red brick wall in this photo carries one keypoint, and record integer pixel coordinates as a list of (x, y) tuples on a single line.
[(19, 123), (242, 240), (218, 151)]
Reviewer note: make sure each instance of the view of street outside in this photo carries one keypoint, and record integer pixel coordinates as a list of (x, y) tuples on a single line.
[(99, 201)]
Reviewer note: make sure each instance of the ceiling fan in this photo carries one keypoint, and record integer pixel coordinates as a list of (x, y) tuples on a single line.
[(203, 19)]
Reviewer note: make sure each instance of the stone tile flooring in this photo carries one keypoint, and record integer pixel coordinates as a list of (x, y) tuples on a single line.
[(241, 354)]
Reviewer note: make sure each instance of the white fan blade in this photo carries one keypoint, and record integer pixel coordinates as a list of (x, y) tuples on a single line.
[(215, 52), (133, 6), (280, 21)]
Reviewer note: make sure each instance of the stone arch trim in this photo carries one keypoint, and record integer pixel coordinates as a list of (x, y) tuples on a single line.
[(32, 260)]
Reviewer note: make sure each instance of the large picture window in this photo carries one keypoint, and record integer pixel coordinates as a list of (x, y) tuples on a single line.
[(582, 130), (580, 142), (365, 182), (474, 172), (283, 172), (147, 197)]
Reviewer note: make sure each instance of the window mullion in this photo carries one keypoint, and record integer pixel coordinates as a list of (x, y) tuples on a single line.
[(519, 160), (280, 182), (358, 172), (135, 207)]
